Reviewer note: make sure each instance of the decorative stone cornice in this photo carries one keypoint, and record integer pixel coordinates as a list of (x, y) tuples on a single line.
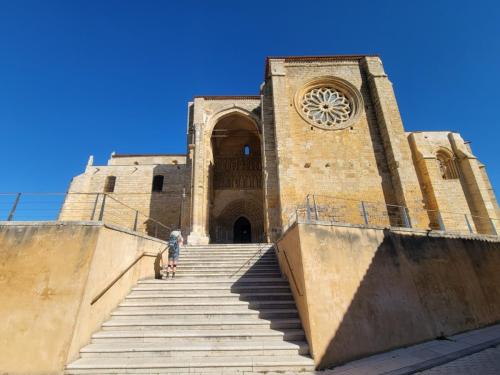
[(311, 59)]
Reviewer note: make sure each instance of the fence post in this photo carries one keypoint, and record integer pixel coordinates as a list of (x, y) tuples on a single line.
[(95, 207), (406, 219), (365, 214), (315, 208), (493, 229), (101, 213), (308, 210), (440, 222), (468, 224), (14, 207), (135, 220)]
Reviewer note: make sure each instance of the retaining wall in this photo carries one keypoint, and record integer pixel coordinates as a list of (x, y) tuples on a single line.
[(50, 273), (361, 291)]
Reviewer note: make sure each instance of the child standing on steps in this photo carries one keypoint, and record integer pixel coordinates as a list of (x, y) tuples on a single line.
[(174, 243)]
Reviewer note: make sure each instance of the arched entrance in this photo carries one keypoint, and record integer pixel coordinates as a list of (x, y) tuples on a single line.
[(242, 230), (235, 179)]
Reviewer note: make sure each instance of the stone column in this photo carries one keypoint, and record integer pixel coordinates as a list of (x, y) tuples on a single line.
[(198, 235), (404, 177), (279, 144)]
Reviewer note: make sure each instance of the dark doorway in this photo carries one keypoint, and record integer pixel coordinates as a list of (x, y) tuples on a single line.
[(242, 232)]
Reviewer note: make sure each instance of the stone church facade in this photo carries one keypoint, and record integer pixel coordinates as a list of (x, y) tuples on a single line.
[(324, 126)]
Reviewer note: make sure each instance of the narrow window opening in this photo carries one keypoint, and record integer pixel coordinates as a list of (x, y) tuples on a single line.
[(109, 184), (447, 166), (158, 183), (246, 150)]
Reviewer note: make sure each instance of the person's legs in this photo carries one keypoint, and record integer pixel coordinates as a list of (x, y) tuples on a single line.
[(163, 264), (175, 258), (174, 267)]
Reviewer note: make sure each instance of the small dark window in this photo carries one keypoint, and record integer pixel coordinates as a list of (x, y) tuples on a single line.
[(158, 183), (246, 150), (109, 185)]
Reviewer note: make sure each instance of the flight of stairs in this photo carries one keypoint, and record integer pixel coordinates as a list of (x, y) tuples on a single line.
[(228, 311)]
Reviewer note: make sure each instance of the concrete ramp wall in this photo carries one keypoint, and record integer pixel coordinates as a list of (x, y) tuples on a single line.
[(361, 291), (52, 279)]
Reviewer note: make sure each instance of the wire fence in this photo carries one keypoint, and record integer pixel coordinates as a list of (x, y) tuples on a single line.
[(326, 209), (105, 207), (122, 210)]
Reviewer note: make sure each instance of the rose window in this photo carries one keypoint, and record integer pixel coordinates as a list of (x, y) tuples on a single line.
[(326, 106)]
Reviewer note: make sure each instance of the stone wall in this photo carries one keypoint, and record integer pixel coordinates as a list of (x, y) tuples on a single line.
[(133, 191), (361, 291), (461, 198), (52, 278), (368, 160)]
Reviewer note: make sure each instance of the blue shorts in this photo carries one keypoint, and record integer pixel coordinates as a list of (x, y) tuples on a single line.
[(173, 251)]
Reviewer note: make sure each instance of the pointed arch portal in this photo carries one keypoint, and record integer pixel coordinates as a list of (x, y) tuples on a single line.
[(235, 180)]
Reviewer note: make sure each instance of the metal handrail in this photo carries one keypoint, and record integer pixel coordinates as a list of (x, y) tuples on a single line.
[(258, 252), (121, 274), (291, 273)]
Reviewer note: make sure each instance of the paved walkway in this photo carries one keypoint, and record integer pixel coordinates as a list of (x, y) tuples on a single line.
[(486, 362), (473, 352)]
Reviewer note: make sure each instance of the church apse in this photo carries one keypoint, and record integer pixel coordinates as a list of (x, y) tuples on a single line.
[(235, 175)]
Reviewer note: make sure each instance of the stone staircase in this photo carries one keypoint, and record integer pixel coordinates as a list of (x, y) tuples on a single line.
[(228, 311)]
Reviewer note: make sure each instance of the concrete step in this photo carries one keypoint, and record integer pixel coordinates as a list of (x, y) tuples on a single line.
[(195, 349), (188, 336), (215, 255), (237, 268), (165, 365), (206, 305), (228, 311), (194, 288), (226, 258), (221, 291), (227, 263), (227, 255), (231, 249), (133, 323), (229, 246), (214, 298), (245, 296), (216, 313), (233, 275), (276, 280)]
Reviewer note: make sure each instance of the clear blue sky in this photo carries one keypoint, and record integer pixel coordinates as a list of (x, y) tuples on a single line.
[(91, 77)]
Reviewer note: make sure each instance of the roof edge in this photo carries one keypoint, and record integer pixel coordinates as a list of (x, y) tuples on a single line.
[(142, 155), (227, 97)]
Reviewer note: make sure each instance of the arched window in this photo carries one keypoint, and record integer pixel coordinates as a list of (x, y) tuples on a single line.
[(246, 150), (109, 184), (447, 165), (158, 183)]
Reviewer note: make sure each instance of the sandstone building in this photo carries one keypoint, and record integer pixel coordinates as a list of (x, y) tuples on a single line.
[(327, 127), (317, 166)]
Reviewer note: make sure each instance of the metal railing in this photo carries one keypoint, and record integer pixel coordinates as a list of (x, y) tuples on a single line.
[(327, 209), (111, 208)]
